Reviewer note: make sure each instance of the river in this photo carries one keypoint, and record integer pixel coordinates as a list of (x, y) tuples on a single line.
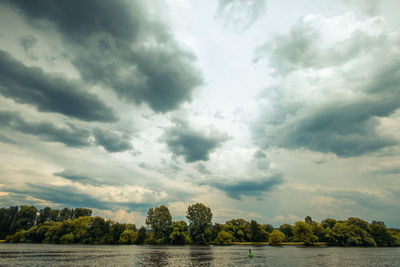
[(88, 255)]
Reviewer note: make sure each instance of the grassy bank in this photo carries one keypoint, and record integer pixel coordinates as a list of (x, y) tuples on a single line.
[(2, 241), (319, 244)]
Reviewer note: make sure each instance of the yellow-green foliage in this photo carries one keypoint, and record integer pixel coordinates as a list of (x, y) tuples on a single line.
[(303, 232), (224, 238), (276, 238), (67, 239), (128, 237)]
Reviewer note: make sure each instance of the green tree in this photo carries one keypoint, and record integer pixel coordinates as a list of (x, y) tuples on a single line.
[(97, 231), (308, 220), (128, 237), (224, 238), (303, 232), (349, 234), (276, 238), (8, 217), (26, 217), (287, 230), (239, 228), (116, 230), (382, 236), (199, 217), (141, 235), (179, 233), (258, 232), (160, 220), (65, 214), (328, 223), (67, 239), (80, 212)]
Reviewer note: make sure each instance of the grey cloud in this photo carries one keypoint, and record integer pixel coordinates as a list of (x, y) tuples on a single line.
[(27, 42), (192, 145), (77, 177), (249, 188), (48, 92), (301, 48), (345, 126), (359, 198), (6, 139), (369, 7), (345, 129), (111, 141), (386, 171), (69, 196), (240, 14), (261, 160), (113, 44), (201, 168), (70, 136)]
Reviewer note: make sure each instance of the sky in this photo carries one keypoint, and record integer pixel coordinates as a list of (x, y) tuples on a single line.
[(260, 109)]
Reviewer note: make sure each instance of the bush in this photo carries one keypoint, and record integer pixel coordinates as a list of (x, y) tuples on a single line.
[(128, 237), (67, 239), (276, 238), (223, 238)]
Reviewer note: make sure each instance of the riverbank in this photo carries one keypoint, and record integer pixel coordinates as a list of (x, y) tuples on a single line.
[(317, 244)]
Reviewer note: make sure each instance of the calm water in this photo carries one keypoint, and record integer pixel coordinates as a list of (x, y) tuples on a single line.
[(79, 255)]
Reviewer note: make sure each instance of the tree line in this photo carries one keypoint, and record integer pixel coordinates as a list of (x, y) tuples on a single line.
[(29, 225)]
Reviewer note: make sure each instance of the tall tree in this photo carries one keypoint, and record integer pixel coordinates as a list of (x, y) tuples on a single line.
[(26, 217), (199, 217), (160, 220)]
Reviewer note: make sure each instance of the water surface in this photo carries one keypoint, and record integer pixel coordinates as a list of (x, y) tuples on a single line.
[(81, 255)]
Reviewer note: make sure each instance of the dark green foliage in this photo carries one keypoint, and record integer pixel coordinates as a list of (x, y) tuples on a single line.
[(258, 232), (26, 217), (328, 223), (141, 235), (239, 229), (179, 233), (26, 224), (223, 238), (8, 217), (308, 220), (287, 230), (382, 236), (160, 220), (199, 217)]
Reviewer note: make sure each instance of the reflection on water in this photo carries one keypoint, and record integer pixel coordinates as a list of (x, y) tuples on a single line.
[(201, 255), (80, 255)]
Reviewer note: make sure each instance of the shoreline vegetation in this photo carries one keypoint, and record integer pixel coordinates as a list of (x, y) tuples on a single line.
[(27, 224)]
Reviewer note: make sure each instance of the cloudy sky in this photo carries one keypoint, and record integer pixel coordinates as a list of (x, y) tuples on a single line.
[(260, 109)]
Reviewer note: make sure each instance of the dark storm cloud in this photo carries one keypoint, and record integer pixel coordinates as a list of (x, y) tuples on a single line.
[(114, 44), (345, 129), (192, 145), (70, 136), (345, 126), (249, 188), (240, 14), (111, 141), (48, 92)]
